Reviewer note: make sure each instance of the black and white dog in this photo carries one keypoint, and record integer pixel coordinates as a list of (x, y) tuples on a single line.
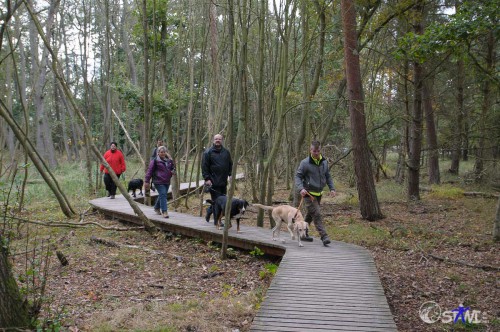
[(238, 208)]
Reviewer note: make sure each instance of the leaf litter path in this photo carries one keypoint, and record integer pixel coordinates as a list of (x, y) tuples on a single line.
[(316, 288)]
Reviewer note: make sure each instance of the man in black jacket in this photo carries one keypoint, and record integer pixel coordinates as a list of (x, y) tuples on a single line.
[(216, 169)]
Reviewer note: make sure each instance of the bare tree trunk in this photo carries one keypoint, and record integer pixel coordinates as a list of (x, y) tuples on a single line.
[(415, 137), (189, 126), (171, 141), (126, 42), (8, 134), (22, 87), (44, 143), (146, 107), (403, 145), (485, 109), (13, 314), (106, 76), (369, 206), (458, 137), (432, 144), (214, 81), (284, 29), (260, 112), (86, 103), (240, 69)]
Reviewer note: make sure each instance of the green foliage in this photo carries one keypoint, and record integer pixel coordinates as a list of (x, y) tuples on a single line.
[(256, 252), (474, 19), (446, 191), (269, 271), (228, 290), (134, 96), (163, 26), (54, 323)]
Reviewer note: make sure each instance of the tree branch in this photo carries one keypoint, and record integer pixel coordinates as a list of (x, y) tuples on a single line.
[(74, 225)]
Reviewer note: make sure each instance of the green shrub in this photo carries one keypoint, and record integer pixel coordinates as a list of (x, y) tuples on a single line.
[(446, 191)]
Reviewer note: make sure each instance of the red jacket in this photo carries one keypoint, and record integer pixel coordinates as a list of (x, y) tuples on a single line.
[(115, 160)]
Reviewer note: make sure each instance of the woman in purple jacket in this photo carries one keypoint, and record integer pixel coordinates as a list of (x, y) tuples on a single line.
[(161, 170)]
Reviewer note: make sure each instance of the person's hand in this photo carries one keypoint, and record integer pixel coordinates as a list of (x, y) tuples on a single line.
[(147, 186), (333, 193), (208, 182), (303, 193)]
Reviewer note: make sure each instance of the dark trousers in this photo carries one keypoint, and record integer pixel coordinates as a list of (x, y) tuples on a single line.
[(313, 214), (214, 193), (110, 184)]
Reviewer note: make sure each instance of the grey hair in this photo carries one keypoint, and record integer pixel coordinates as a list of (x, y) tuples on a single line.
[(162, 148)]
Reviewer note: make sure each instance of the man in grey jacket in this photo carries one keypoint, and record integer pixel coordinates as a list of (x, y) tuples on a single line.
[(311, 178)]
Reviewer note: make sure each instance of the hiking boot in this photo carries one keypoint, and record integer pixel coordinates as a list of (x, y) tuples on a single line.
[(306, 238), (165, 214), (157, 211), (112, 197), (326, 240)]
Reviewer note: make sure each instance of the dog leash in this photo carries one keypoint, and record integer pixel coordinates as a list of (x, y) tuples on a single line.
[(208, 189), (300, 204)]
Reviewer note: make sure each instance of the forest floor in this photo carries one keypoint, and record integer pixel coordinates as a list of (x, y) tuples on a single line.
[(437, 250)]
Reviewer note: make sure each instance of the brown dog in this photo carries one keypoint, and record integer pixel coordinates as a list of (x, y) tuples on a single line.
[(295, 221)]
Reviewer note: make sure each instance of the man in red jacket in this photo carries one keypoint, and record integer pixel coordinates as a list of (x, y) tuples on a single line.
[(115, 159)]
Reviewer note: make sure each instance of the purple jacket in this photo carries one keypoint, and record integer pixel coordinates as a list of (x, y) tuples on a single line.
[(160, 170)]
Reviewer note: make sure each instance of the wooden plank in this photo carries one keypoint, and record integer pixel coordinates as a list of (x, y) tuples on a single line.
[(339, 326), (277, 311), (310, 323)]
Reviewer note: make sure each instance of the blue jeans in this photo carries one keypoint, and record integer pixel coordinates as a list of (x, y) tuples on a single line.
[(161, 202)]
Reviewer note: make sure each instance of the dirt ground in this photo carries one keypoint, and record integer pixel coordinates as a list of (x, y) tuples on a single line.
[(437, 250)]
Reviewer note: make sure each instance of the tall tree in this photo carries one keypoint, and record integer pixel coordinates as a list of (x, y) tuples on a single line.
[(483, 148), (214, 126), (13, 313), (260, 109), (432, 143), (415, 134), (146, 104), (39, 71), (367, 194), (458, 137)]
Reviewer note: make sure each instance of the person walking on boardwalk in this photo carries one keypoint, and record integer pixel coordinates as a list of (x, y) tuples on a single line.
[(160, 170), (310, 179), (115, 159), (154, 153), (216, 169)]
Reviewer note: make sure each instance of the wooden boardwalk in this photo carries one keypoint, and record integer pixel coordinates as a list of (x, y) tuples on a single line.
[(316, 288)]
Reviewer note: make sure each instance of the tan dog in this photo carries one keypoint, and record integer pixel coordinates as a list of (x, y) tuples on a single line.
[(295, 221)]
